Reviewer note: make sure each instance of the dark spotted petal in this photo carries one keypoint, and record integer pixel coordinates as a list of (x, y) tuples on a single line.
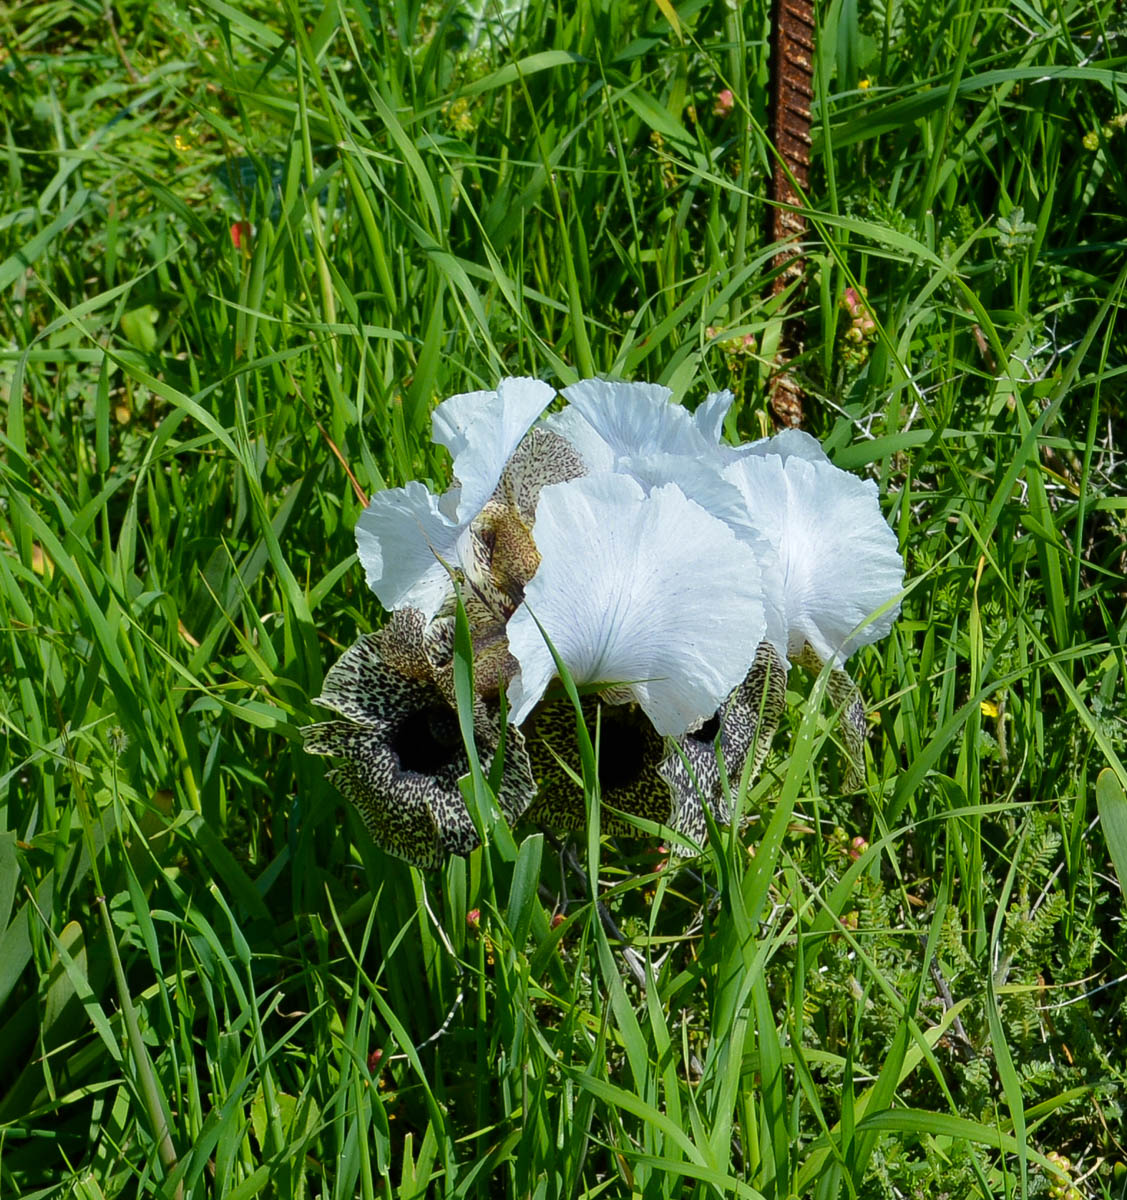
[(852, 725), (397, 807), (745, 725), (360, 685), (517, 784), (499, 557), (497, 551), (406, 829), (541, 459), (403, 749), (630, 752), (846, 698), (401, 644)]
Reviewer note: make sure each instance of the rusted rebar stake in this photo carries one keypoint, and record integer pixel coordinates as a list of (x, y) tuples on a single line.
[(792, 89)]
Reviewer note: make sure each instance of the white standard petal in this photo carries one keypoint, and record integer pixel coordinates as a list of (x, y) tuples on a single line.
[(635, 418), (701, 480), (839, 559), (787, 444), (646, 591), (578, 432), (400, 538), (709, 419), (481, 430), (704, 482), (709, 416), (454, 416)]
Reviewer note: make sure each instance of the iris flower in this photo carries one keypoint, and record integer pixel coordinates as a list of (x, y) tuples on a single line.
[(673, 574)]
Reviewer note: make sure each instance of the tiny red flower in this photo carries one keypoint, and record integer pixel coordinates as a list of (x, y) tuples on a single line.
[(240, 235)]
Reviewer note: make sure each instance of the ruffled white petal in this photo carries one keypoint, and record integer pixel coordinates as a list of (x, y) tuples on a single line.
[(704, 482), (700, 480), (646, 591), (635, 419), (481, 430), (451, 420), (709, 417), (574, 428), (787, 444), (400, 538), (839, 559)]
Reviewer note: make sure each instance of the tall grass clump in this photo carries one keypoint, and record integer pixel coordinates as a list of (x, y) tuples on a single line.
[(244, 251)]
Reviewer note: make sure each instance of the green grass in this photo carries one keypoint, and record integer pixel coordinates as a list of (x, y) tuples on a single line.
[(211, 983)]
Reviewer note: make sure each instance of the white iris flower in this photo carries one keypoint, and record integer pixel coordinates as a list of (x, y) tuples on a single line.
[(647, 592), (677, 579), (406, 535)]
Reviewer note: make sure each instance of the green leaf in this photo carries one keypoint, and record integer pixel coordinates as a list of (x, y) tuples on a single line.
[(670, 14), (140, 328), (26, 257), (522, 891), (1112, 805), (9, 875), (656, 116), (544, 60)]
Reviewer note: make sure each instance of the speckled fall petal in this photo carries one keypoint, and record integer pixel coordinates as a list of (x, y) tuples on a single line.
[(403, 750), (852, 724), (630, 753), (743, 725), (497, 550)]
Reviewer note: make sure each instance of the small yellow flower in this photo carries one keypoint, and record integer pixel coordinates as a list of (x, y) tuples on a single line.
[(989, 709), (181, 143), (864, 84)]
